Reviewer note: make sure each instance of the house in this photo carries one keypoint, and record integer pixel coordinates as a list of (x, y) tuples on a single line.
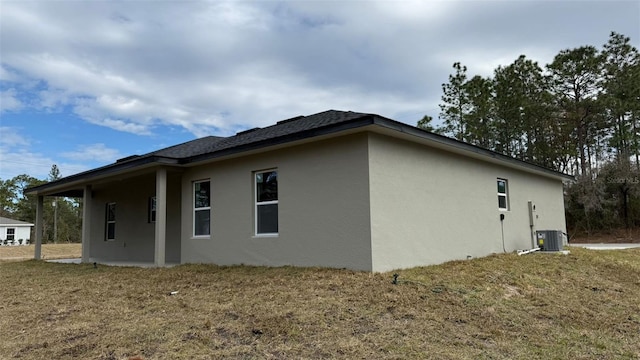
[(14, 232), (333, 189)]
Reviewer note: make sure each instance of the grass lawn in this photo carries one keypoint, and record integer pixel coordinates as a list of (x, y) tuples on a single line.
[(49, 251), (585, 305)]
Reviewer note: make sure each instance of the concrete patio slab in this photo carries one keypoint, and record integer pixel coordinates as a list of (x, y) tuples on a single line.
[(111, 263)]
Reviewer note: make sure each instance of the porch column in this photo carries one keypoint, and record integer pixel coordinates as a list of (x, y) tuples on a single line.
[(161, 216), (39, 212), (86, 224)]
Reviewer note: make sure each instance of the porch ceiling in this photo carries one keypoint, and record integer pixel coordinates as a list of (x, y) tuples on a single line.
[(76, 188)]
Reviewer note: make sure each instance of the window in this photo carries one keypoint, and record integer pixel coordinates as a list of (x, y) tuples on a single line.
[(11, 234), (503, 195), (110, 227), (266, 202), (152, 209), (201, 208)]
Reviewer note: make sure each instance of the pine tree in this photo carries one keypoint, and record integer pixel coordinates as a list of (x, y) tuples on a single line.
[(479, 120), (575, 83), (622, 96), (455, 106)]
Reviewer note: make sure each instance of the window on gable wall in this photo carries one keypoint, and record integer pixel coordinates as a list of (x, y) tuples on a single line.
[(152, 209), (110, 226), (201, 208), (266, 210), (503, 194)]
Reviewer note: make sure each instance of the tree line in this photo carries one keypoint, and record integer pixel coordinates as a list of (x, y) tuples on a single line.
[(579, 114), (62, 217)]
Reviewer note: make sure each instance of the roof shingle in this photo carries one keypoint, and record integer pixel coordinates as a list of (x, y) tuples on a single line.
[(294, 125)]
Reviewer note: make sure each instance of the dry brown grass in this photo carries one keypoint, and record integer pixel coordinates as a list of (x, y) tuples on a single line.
[(49, 251), (581, 306)]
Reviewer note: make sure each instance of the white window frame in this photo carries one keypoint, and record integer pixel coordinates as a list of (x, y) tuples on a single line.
[(13, 235), (262, 203), (195, 209), (504, 194), (107, 222)]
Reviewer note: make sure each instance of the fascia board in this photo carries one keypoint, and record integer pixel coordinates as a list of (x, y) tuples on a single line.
[(412, 133), (79, 179)]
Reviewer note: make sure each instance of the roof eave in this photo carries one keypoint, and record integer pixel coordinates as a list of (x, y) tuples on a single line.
[(369, 122), (101, 172), (454, 145)]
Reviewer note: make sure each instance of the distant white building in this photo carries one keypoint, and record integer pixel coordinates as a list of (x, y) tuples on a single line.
[(14, 232)]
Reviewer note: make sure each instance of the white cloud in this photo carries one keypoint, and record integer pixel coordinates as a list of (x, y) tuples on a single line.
[(95, 112), (17, 157), (97, 152), (53, 99), (9, 101), (17, 162), (187, 66), (11, 137), (8, 75), (211, 67), (21, 161)]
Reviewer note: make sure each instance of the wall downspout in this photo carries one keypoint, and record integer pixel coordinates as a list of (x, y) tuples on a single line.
[(532, 209)]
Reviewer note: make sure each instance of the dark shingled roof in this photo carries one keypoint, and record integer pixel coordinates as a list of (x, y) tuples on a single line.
[(211, 144), (187, 149), (294, 125)]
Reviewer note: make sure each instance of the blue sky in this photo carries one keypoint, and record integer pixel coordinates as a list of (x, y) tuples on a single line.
[(83, 83)]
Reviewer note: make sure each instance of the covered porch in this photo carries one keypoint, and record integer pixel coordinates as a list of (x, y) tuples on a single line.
[(130, 218)]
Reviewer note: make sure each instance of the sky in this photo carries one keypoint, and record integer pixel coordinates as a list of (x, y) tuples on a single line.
[(84, 83)]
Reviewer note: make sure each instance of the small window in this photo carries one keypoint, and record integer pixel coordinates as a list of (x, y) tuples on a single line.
[(201, 208), (110, 233), (503, 195), (11, 234), (152, 209), (266, 211)]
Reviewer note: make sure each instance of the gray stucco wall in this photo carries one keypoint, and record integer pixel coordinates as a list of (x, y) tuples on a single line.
[(429, 206), (135, 235), (363, 201), (323, 208)]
